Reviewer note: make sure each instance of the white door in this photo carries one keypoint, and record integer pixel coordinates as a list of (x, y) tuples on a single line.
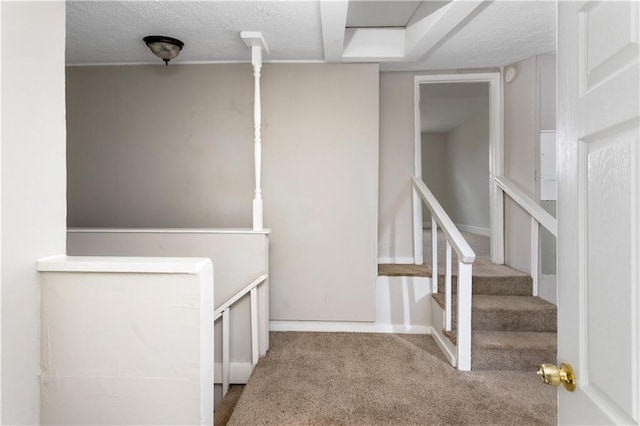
[(599, 210)]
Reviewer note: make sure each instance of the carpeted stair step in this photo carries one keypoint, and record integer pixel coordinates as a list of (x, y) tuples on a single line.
[(507, 313), (509, 350), (513, 285)]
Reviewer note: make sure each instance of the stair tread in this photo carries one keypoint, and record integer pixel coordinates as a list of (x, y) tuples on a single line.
[(515, 340), (503, 302), (510, 303)]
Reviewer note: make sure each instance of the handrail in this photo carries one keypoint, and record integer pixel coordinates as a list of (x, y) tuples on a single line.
[(458, 243), (233, 299), (466, 257), (223, 311), (528, 204)]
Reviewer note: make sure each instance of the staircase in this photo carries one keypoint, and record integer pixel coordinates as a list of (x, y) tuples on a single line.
[(512, 330)]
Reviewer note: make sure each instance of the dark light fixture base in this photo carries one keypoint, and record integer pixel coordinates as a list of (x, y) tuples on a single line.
[(165, 48)]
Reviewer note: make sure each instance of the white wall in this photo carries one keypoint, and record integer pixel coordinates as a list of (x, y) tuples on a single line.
[(468, 172), (321, 189), (434, 161), (529, 107), (160, 147), (183, 157), (131, 345), (455, 167), (520, 140), (547, 105), (33, 189), (397, 152), (238, 259)]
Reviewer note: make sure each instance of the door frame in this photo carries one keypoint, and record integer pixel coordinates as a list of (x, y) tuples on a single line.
[(496, 156)]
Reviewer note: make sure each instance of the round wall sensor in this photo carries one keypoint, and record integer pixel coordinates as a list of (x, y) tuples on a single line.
[(510, 73)]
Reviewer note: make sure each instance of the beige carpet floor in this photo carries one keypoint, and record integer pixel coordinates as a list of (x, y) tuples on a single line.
[(383, 379)]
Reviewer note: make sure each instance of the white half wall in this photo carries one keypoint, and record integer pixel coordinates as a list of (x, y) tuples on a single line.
[(33, 208), (127, 341), (238, 259)]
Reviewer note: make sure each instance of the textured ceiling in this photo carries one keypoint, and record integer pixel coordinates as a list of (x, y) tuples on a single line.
[(381, 13), (112, 31), (444, 106), (502, 33), (104, 32)]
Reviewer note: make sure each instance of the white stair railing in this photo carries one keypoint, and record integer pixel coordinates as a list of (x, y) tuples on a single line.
[(223, 312), (466, 257), (539, 216)]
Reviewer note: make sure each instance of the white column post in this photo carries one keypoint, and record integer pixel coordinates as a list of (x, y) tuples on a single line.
[(256, 61), (226, 361), (464, 316), (255, 41), (434, 253), (535, 253)]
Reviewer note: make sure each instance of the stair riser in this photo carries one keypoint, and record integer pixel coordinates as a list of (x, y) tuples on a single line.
[(510, 360), (507, 320), (507, 286)]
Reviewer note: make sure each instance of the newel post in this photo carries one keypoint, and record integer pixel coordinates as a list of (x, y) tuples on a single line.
[(255, 41)]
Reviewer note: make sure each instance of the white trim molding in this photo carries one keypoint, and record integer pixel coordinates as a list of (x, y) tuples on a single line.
[(347, 327), (400, 260), (474, 229), (496, 156), (239, 373)]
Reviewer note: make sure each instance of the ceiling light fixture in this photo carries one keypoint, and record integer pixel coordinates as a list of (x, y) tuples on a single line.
[(165, 48)]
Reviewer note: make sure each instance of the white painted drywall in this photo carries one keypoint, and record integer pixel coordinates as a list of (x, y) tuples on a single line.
[(320, 180), (123, 348), (160, 147), (520, 140), (547, 105), (182, 156), (397, 152), (468, 172), (529, 108), (33, 189), (403, 304), (238, 259), (455, 166), (435, 163), (547, 91)]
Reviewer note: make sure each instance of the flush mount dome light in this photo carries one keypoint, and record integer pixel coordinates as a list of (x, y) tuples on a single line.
[(165, 48)]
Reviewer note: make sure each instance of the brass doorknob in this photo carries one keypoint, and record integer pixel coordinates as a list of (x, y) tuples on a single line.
[(552, 375)]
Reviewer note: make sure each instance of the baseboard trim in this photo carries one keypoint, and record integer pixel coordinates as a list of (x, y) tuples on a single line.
[(347, 327), (474, 229), (451, 357), (239, 372), (396, 260)]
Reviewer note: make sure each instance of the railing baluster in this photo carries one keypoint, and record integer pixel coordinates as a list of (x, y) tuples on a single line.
[(434, 253), (254, 326), (535, 253), (464, 316), (225, 352), (447, 289)]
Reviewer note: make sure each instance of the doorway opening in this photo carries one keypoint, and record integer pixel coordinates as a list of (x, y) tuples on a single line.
[(458, 152)]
